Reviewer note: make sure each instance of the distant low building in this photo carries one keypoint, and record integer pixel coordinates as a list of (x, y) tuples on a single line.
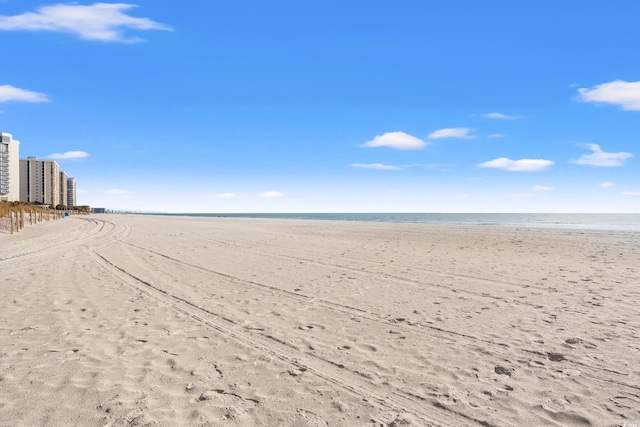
[(9, 168), (98, 210)]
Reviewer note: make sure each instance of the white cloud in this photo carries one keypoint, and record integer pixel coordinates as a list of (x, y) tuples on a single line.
[(522, 165), (606, 184), (500, 116), (619, 92), (10, 93), (271, 194), (542, 188), (496, 135), (419, 165), (116, 191), (462, 133), (631, 193), (397, 140), (100, 21), (69, 155), (602, 159), (378, 166)]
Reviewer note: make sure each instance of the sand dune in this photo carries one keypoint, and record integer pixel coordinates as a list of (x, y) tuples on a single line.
[(135, 320)]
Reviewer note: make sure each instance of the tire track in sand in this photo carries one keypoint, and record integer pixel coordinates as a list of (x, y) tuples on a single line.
[(427, 330), (89, 230), (327, 370)]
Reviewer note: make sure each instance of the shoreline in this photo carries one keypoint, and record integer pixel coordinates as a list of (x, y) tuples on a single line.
[(586, 221), (168, 320)]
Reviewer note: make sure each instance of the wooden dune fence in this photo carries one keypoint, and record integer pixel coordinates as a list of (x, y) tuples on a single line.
[(14, 220)]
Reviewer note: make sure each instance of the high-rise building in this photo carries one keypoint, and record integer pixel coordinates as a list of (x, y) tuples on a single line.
[(63, 188), (9, 168), (71, 193), (39, 181)]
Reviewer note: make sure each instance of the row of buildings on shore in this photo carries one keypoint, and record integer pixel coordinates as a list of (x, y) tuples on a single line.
[(32, 180)]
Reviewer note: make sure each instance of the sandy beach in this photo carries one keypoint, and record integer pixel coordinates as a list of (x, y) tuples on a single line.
[(124, 320)]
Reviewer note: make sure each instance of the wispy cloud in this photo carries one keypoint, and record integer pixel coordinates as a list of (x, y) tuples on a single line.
[(224, 196), (618, 92), (631, 193), (460, 133), (500, 116), (522, 165), (606, 184), (378, 166), (101, 21), (271, 194), (116, 192), (11, 93), (602, 159), (69, 155), (496, 135), (542, 188), (397, 140), (420, 165)]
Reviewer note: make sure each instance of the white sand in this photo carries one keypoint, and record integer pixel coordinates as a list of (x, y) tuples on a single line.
[(164, 321)]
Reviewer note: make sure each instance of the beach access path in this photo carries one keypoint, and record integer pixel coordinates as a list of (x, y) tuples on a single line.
[(123, 320)]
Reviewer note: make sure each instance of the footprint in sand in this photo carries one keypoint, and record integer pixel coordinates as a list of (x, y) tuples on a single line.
[(312, 326), (367, 348), (501, 370), (555, 357)]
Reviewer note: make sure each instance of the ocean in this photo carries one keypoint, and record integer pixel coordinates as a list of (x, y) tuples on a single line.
[(586, 221)]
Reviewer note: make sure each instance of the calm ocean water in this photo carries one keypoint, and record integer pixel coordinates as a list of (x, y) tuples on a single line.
[(630, 222)]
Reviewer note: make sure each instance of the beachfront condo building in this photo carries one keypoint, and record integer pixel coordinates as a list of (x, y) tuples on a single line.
[(63, 188), (39, 181), (9, 168), (71, 193)]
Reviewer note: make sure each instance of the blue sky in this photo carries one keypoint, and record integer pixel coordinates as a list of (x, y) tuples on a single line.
[(327, 106)]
